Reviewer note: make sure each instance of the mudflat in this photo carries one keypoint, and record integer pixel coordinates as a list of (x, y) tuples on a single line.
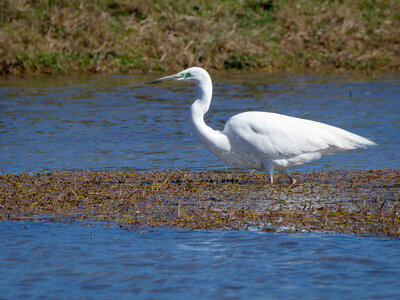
[(361, 202)]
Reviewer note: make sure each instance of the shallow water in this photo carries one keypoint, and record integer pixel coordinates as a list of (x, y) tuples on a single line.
[(45, 260), (116, 122)]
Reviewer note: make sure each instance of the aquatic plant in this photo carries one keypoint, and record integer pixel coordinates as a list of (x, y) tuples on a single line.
[(363, 202)]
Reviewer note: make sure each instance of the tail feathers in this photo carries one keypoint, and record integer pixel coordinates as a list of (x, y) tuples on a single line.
[(342, 140), (356, 141)]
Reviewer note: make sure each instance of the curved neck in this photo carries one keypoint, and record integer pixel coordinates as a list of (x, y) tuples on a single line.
[(213, 140)]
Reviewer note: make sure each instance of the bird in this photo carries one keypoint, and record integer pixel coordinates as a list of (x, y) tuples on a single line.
[(263, 141)]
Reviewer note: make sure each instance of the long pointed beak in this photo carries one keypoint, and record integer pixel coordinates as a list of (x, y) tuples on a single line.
[(166, 78)]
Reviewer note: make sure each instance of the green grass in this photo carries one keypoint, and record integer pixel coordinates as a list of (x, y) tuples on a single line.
[(123, 36)]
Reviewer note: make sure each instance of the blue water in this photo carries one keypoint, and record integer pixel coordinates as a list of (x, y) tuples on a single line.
[(67, 261), (116, 122)]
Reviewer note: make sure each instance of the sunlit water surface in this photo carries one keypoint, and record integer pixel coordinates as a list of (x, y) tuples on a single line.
[(116, 122), (44, 260)]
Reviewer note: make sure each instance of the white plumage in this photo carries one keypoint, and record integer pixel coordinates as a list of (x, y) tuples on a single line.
[(261, 140)]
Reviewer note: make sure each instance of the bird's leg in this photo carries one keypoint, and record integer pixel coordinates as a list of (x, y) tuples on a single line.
[(269, 167), (286, 172)]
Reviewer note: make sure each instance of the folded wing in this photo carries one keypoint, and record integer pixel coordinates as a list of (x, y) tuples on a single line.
[(274, 136)]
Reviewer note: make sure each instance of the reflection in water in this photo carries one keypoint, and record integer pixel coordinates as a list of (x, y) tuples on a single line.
[(115, 122)]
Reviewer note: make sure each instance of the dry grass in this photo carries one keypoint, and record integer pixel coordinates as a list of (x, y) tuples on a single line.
[(61, 36)]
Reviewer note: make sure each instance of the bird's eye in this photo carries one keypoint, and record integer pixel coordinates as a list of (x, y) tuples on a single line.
[(185, 75)]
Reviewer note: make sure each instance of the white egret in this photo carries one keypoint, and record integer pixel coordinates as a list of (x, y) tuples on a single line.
[(263, 141)]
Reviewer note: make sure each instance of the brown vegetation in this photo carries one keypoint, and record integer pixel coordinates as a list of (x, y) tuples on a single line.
[(64, 36), (358, 202)]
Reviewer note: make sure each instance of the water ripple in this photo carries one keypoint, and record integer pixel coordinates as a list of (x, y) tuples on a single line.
[(105, 122), (48, 260)]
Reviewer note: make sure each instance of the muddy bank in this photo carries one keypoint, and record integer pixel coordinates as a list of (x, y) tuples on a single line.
[(363, 202)]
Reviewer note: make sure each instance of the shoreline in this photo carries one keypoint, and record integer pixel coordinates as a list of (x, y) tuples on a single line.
[(360, 202)]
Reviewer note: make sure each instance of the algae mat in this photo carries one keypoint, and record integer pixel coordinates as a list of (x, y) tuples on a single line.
[(362, 202)]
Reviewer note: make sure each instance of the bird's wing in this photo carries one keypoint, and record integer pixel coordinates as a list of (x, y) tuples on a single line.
[(278, 136)]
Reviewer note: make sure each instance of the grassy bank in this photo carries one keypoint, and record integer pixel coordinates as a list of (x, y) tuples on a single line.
[(357, 202), (67, 36)]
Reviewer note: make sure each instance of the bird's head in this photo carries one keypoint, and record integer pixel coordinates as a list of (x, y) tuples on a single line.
[(194, 74)]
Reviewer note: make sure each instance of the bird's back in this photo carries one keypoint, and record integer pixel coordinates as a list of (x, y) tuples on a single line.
[(293, 140)]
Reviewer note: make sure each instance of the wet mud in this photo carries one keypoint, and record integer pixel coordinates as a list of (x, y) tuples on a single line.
[(361, 202)]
